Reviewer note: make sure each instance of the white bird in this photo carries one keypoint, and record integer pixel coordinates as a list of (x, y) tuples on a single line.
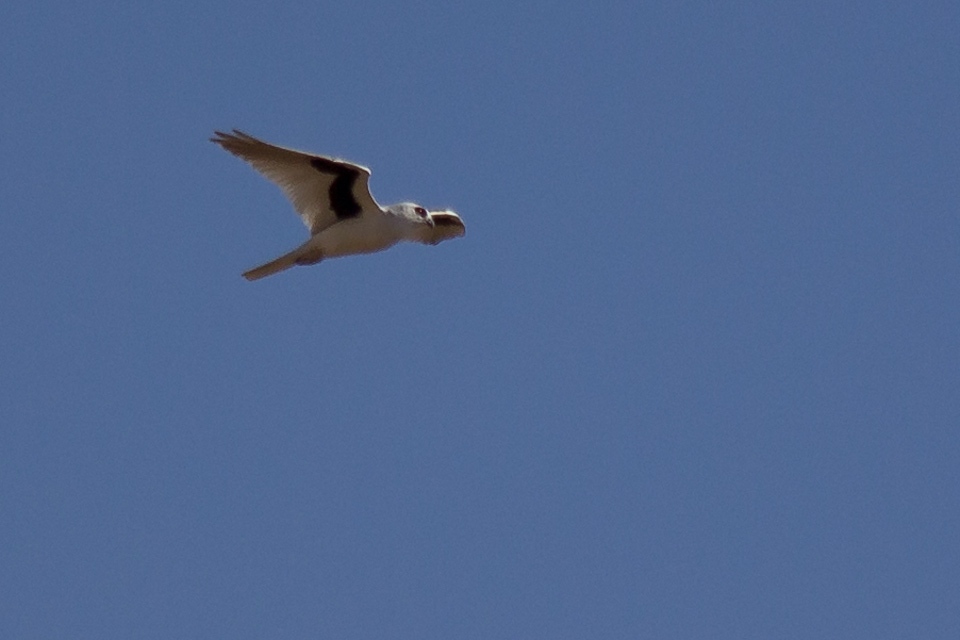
[(333, 199)]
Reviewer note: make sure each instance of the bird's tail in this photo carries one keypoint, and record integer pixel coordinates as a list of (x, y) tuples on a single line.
[(304, 254)]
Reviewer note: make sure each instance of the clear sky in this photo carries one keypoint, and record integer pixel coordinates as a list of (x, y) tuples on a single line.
[(694, 371)]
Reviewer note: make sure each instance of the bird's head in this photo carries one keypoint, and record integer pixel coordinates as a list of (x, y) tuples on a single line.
[(431, 227), (411, 212)]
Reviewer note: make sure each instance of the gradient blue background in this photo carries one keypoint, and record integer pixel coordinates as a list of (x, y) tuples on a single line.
[(692, 373)]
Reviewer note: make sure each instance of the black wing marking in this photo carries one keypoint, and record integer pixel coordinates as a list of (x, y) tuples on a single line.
[(342, 201)]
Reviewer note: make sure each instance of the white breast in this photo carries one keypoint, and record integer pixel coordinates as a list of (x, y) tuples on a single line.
[(364, 234)]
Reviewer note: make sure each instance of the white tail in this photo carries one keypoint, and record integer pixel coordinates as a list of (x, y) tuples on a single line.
[(304, 254)]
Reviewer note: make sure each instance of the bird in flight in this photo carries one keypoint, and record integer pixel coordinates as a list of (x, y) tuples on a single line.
[(333, 199)]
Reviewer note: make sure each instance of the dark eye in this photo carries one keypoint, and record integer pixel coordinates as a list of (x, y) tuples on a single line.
[(421, 212)]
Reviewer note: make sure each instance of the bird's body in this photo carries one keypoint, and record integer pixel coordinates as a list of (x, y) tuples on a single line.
[(333, 199)]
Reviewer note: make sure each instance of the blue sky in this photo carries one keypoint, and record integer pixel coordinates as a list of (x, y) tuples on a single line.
[(692, 372)]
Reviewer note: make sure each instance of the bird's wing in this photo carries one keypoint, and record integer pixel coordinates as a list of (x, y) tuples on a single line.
[(323, 190), (446, 226)]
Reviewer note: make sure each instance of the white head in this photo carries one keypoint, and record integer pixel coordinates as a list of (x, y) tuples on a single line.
[(411, 212), (429, 227)]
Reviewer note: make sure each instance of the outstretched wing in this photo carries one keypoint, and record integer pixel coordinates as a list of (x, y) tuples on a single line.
[(446, 226), (323, 190)]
